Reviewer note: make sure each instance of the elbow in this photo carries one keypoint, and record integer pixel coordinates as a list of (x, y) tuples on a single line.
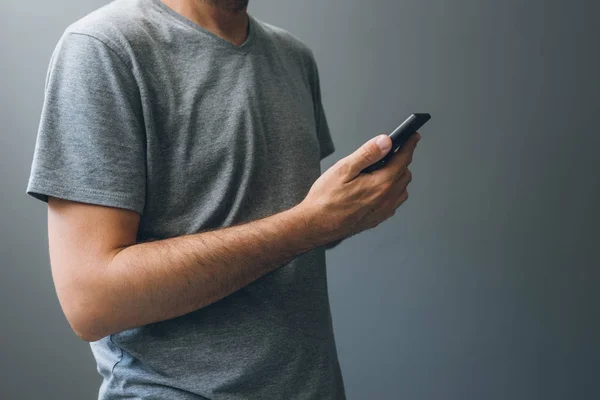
[(87, 336), (86, 327), (86, 303), (88, 319)]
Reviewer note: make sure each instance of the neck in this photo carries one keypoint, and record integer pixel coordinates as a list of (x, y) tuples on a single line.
[(229, 23)]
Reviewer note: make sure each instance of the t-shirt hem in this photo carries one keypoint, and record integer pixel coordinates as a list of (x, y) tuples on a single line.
[(41, 190)]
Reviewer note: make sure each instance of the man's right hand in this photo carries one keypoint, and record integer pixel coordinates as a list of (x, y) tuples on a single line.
[(344, 201)]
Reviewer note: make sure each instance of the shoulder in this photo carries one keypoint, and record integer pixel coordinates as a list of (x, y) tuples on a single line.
[(287, 40), (119, 25)]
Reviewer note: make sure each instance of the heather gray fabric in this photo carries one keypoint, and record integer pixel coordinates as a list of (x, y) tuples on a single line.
[(147, 111)]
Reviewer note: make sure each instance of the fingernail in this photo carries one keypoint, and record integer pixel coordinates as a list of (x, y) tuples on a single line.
[(383, 143)]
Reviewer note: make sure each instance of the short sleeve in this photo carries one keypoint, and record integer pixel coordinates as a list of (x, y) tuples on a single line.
[(91, 139), (325, 140)]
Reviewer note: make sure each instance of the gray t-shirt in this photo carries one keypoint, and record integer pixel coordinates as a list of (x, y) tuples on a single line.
[(147, 111)]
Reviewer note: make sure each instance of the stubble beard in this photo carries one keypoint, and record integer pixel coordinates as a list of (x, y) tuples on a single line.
[(234, 6)]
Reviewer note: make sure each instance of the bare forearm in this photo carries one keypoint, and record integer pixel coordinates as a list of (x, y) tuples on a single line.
[(159, 280)]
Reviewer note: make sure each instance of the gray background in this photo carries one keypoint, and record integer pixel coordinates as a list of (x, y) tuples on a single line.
[(483, 286)]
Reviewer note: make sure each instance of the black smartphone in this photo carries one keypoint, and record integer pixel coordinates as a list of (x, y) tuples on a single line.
[(399, 136)]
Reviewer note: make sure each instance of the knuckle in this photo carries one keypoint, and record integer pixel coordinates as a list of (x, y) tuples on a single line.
[(403, 197), (386, 186), (368, 153), (389, 208)]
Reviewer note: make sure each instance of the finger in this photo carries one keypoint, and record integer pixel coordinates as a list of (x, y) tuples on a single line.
[(399, 187), (405, 177), (401, 199), (366, 155), (404, 156), (410, 144)]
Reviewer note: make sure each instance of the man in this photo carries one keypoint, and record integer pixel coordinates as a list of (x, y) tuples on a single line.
[(179, 152)]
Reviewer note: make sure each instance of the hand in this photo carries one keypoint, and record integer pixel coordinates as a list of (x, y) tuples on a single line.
[(344, 201)]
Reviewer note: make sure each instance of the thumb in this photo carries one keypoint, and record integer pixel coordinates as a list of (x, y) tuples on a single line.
[(368, 154)]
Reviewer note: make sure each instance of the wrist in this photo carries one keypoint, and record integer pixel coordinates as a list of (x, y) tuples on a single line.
[(307, 230)]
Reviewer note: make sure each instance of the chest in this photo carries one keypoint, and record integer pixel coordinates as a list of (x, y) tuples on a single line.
[(209, 108), (235, 134)]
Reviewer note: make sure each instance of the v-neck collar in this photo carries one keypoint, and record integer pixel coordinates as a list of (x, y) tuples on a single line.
[(214, 38)]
